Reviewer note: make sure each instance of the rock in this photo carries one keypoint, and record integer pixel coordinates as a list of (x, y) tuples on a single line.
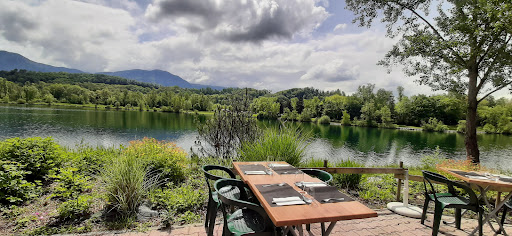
[(145, 212)]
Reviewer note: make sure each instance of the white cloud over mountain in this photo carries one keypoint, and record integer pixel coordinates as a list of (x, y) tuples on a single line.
[(265, 44)]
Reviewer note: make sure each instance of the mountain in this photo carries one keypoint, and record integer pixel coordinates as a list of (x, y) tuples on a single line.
[(158, 77), (10, 61)]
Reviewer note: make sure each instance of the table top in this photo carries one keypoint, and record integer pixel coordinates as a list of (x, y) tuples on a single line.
[(301, 214), (495, 185)]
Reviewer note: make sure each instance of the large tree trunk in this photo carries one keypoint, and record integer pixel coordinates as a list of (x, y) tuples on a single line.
[(473, 154)]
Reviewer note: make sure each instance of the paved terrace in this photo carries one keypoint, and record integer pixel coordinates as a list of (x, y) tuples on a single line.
[(387, 223)]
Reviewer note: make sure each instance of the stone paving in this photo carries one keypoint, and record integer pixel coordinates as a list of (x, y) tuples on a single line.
[(387, 223)]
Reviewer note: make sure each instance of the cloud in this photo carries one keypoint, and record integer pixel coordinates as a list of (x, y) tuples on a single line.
[(334, 71), (241, 21), (340, 27)]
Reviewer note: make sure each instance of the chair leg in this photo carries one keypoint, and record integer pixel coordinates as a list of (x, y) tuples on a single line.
[(458, 216), (425, 207), (208, 211), (213, 215), (503, 218), (438, 212), (480, 224), (308, 227)]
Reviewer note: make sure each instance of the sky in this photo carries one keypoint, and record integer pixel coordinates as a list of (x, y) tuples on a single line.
[(263, 44)]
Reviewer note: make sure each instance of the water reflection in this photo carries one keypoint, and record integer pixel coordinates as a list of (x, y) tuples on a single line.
[(367, 145)]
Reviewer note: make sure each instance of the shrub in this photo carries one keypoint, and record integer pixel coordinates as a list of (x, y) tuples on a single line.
[(75, 208), (461, 127), (37, 156), (70, 183), (14, 188), (304, 117), (164, 157), (346, 118), (127, 182), (490, 129), (284, 144), (179, 200), (324, 120), (434, 125), (350, 181)]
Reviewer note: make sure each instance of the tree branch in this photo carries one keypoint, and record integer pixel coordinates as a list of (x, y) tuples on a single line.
[(433, 29), (498, 88)]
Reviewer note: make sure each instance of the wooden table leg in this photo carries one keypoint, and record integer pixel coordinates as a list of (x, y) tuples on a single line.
[(329, 229)]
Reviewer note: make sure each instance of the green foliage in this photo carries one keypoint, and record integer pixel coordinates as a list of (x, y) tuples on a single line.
[(378, 188), (266, 107), (165, 158), (70, 183), (461, 127), (324, 120), (346, 118), (429, 162), (490, 129), (434, 125), (180, 199), (284, 144), (14, 188), (37, 156), (75, 208), (350, 181), (127, 182)]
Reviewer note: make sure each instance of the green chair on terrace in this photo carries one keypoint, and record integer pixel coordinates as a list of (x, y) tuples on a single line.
[(449, 200), (249, 218), (320, 174), (213, 200)]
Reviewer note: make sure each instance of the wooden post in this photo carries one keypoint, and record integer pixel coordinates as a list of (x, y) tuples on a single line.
[(399, 187), (325, 163)]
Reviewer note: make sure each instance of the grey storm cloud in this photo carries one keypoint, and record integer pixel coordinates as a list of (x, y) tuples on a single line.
[(14, 25), (237, 20)]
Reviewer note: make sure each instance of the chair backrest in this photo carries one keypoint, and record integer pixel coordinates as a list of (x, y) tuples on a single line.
[(210, 178), (431, 178), (322, 175), (226, 186)]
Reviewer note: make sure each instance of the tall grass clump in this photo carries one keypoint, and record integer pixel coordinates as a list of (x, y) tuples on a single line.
[(165, 158), (350, 181), (127, 182), (277, 144)]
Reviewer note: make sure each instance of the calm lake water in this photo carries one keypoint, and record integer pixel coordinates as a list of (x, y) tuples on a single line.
[(70, 127)]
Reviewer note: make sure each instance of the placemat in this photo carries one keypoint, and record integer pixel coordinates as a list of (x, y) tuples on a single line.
[(464, 173), (271, 191), (286, 170), (327, 192), (253, 167), (508, 180)]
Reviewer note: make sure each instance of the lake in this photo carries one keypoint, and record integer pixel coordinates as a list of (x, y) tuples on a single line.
[(72, 126)]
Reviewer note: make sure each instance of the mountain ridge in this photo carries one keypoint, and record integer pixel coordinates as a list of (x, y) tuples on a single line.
[(10, 61)]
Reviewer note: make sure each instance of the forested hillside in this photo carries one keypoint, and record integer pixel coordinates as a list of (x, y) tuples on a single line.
[(366, 107)]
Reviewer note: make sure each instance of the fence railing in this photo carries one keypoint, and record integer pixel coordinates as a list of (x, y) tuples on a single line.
[(399, 173)]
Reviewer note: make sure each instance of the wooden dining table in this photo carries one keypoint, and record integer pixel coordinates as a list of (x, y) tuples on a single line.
[(291, 216), (486, 182)]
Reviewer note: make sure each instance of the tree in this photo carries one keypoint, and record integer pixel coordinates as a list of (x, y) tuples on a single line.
[(466, 48)]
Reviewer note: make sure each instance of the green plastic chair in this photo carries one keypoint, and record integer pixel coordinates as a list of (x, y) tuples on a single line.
[(213, 200), (449, 200), (320, 174), (508, 205), (249, 218)]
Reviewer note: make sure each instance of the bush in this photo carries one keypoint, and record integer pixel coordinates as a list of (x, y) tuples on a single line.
[(350, 181), (75, 208), (434, 125), (490, 129), (179, 200), (14, 188), (324, 120), (70, 183), (164, 157), (37, 156), (346, 118), (127, 182), (284, 144), (461, 127)]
